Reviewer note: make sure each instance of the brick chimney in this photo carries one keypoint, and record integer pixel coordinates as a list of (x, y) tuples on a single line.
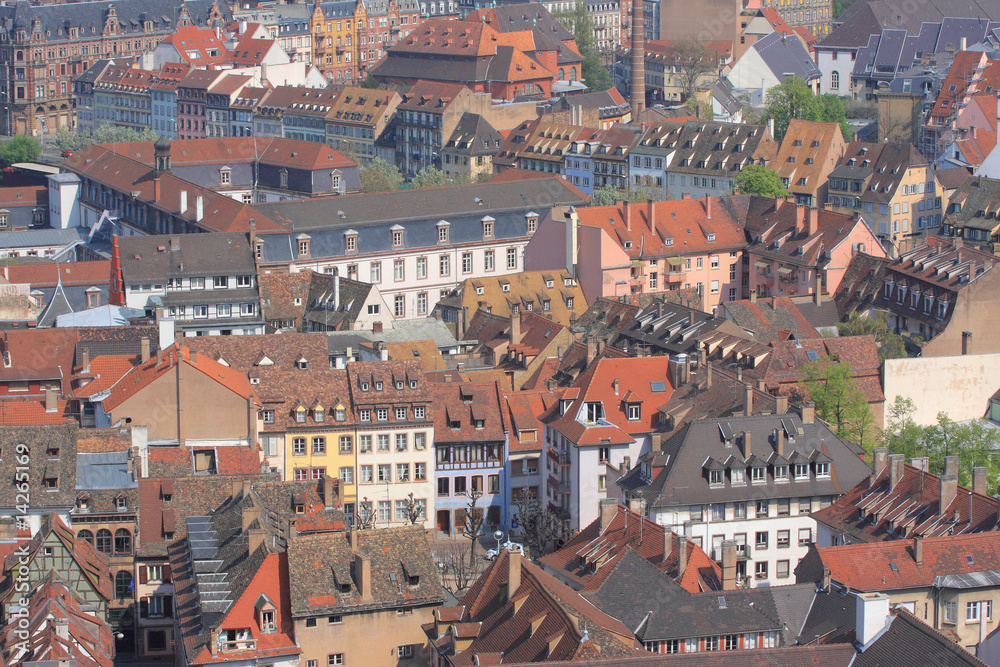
[(979, 480), (880, 456), (144, 347), (515, 328), (800, 218), (813, 220), (896, 467), (780, 404), (513, 574), (608, 509), (779, 441), (682, 557), (951, 465), (363, 577), (918, 550), (652, 217), (748, 399), (708, 207), (328, 497), (747, 444), (157, 189), (808, 412), (668, 542), (256, 539), (729, 565), (949, 488), (249, 515), (51, 400)]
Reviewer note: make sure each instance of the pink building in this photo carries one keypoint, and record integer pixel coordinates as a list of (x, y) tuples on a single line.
[(794, 249), (631, 249)]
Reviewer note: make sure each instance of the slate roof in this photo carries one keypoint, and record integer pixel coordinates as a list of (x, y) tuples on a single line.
[(786, 55), (977, 197), (418, 211), (321, 304), (563, 613), (104, 471), (473, 135), (709, 147), (861, 283), (910, 641), (880, 167), (776, 318), (154, 258), (687, 455), (324, 578), (630, 533), (40, 440), (873, 511)]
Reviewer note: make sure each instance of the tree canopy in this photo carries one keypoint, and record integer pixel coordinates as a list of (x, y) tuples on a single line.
[(840, 402), (692, 60), (756, 179), (380, 176), (793, 98), (890, 344), (609, 195), (429, 177), (593, 71), (19, 149)]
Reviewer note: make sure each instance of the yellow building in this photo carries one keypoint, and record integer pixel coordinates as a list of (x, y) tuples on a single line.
[(335, 38), (892, 186)]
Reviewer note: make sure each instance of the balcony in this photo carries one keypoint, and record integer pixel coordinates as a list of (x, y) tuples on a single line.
[(560, 458)]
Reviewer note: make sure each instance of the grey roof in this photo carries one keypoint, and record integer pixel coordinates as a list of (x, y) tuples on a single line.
[(402, 331), (910, 641), (685, 456), (28, 238), (831, 617), (56, 304), (786, 55), (984, 579), (151, 258), (789, 604), (713, 143), (722, 92), (474, 135), (321, 300), (102, 316), (41, 466), (105, 470), (864, 19), (131, 16), (976, 195), (327, 220)]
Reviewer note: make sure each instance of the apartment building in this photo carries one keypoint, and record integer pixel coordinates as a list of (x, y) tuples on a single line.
[(358, 117), (415, 249), (395, 433), (809, 151), (753, 480)]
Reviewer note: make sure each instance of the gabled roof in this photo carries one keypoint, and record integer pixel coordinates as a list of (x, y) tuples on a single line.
[(155, 258), (459, 407), (629, 532), (281, 351), (474, 135), (228, 151), (283, 296), (198, 46), (808, 140), (771, 319), (545, 293), (909, 640), (784, 55), (521, 412), (283, 391)]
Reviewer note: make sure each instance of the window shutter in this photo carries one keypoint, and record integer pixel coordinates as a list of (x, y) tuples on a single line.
[(166, 574), (168, 606), (143, 574), (143, 607)]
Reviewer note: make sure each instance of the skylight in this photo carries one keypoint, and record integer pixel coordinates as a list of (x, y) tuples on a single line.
[(657, 386), (813, 356)]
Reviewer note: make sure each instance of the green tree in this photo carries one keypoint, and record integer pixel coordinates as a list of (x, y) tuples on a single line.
[(19, 149), (890, 344), (429, 177), (115, 134), (839, 401), (793, 98), (593, 71), (608, 195), (756, 179), (380, 176), (369, 82)]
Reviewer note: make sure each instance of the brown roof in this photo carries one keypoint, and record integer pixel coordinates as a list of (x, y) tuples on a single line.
[(805, 140), (71, 273), (281, 351), (276, 151), (283, 295), (542, 292), (459, 406), (770, 319)]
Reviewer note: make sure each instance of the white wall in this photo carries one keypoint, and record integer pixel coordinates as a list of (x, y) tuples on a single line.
[(843, 65), (959, 385)]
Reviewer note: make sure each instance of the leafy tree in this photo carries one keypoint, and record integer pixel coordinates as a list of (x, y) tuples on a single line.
[(429, 177), (756, 179), (380, 176), (369, 82), (115, 134), (793, 98), (890, 344), (593, 71), (608, 195), (19, 149), (839, 401), (692, 60)]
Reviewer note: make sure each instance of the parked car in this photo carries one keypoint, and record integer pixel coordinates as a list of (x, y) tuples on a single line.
[(513, 547), (68, 153)]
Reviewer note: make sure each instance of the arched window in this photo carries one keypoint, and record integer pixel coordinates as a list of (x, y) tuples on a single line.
[(86, 535), (835, 81), (123, 585), (123, 541), (561, 74), (572, 74), (103, 541)]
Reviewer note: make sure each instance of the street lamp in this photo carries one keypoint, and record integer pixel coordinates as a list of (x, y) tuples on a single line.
[(498, 535)]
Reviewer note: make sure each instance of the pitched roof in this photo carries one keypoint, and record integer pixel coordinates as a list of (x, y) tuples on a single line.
[(786, 55), (71, 273), (776, 318), (273, 151), (909, 641), (629, 532), (521, 412), (467, 412), (891, 565), (861, 283), (282, 351), (805, 140), (155, 258), (283, 296), (53, 456), (324, 579), (875, 511), (474, 135)]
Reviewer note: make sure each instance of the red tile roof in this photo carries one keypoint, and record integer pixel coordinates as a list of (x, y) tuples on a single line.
[(887, 566), (102, 374), (198, 46), (275, 151), (31, 412), (628, 529), (521, 413), (72, 273)]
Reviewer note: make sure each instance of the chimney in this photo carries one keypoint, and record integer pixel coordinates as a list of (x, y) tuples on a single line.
[(591, 351), (607, 509), (213, 643), (818, 296), (708, 207), (951, 465), (572, 223), (637, 89), (918, 550), (920, 462), (800, 215), (682, 557), (184, 201), (770, 129), (979, 480), (199, 208), (336, 292), (813, 220), (779, 441), (896, 468), (363, 577), (963, 43), (729, 565), (144, 347), (515, 328), (615, 386), (808, 412), (748, 399), (377, 327), (256, 539), (513, 574), (85, 360), (780, 404), (753, 296), (157, 189), (949, 488), (708, 375), (628, 215), (652, 217), (966, 340), (871, 616), (193, 356), (51, 400), (249, 514), (353, 538), (668, 543), (880, 456), (637, 506), (747, 444), (328, 499)]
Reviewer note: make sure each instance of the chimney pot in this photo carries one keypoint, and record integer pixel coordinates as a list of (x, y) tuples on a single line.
[(979, 480), (951, 465), (808, 412), (918, 550), (949, 489), (513, 574), (781, 404)]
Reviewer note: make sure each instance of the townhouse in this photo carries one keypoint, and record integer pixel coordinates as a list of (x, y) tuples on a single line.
[(363, 596), (971, 212), (357, 118), (467, 155), (470, 455), (895, 188), (521, 412), (809, 151), (632, 249), (176, 274), (752, 480), (548, 146), (395, 435), (415, 248), (698, 158)]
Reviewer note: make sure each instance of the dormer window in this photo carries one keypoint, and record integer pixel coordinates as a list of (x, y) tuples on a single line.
[(225, 177), (634, 411), (364, 386), (715, 477), (443, 234), (757, 475), (781, 473), (52, 452), (399, 385), (801, 471), (121, 503), (340, 414), (378, 385), (302, 364), (595, 411), (397, 236), (351, 241), (711, 238), (822, 469), (737, 476), (319, 414), (300, 415), (532, 219), (304, 249)]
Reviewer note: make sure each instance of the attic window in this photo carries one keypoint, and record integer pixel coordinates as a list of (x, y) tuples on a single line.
[(711, 238), (505, 287), (378, 386), (364, 386), (480, 290), (52, 452), (413, 384), (302, 364)]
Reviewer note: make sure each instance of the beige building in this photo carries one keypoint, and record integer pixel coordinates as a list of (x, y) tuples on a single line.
[(361, 597), (971, 380), (809, 151)]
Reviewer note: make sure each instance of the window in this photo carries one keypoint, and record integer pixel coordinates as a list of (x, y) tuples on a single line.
[(154, 573), (384, 472), (762, 508), (633, 410), (460, 486), (718, 512), (488, 260), (822, 469), (443, 233), (696, 512), (398, 270), (397, 238), (949, 612), (420, 439), (366, 474), (401, 442), (405, 651), (383, 440), (805, 536), (104, 541), (123, 585), (761, 540), (511, 258), (319, 445), (760, 569), (784, 507), (757, 476), (603, 454), (739, 510), (335, 659), (466, 262), (376, 272), (445, 265), (220, 282), (399, 305), (782, 569), (737, 476), (123, 541), (783, 539), (443, 485), (402, 472), (715, 477)]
